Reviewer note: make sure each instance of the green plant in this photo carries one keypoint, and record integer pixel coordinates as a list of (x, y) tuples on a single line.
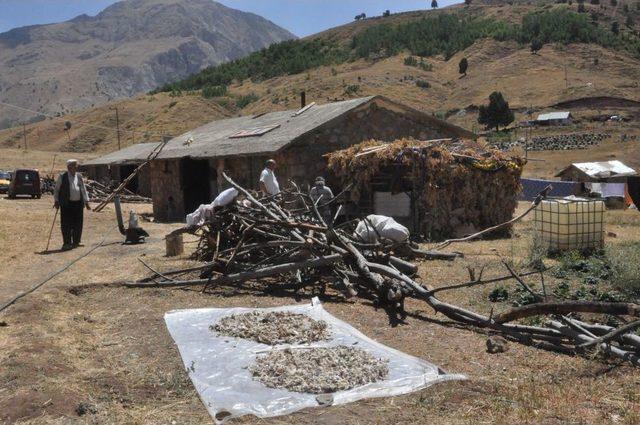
[(172, 104), (210, 91), (463, 66), (536, 253), (499, 294), (496, 113), (246, 100), (352, 89), (411, 61), (624, 259), (423, 84)]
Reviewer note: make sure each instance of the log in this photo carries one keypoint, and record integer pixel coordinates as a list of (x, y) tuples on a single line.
[(246, 276), (616, 309)]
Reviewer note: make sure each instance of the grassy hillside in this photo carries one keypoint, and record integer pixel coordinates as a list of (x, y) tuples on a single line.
[(531, 82)]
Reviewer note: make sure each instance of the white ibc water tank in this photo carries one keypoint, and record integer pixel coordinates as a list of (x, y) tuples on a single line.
[(570, 224)]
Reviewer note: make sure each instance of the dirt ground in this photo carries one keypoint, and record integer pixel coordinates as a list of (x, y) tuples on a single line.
[(84, 349)]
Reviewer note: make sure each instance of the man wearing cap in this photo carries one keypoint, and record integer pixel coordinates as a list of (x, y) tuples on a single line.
[(321, 195), (71, 197), (268, 181)]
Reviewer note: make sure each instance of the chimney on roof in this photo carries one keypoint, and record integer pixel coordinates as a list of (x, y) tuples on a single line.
[(303, 99)]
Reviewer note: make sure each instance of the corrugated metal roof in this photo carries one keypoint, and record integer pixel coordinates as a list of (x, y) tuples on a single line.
[(214, 139), (554, 116), (604, 169), (132, 154)]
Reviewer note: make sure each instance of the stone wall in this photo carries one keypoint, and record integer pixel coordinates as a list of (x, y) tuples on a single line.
[(303, 160), (168, 198)]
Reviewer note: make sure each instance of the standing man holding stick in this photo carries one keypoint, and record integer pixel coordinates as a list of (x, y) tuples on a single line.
[(71, 197)]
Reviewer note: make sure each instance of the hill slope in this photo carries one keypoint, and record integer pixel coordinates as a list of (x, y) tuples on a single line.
[(130, 47), (529, 82)]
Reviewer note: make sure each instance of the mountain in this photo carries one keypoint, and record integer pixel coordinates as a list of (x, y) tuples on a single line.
[(587, 70), (130, 47)]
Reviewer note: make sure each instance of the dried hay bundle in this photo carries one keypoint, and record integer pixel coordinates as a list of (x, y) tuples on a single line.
[(455, 185), (273, 328), (319, 370)]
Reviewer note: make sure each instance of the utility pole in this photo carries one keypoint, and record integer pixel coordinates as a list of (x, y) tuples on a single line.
[(566, 77), (24, 135), (118, 126)]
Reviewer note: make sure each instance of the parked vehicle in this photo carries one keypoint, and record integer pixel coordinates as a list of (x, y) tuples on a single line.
[(5, 180), (25, 182)]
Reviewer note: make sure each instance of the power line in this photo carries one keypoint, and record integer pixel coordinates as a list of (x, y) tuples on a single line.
[(88, 124)]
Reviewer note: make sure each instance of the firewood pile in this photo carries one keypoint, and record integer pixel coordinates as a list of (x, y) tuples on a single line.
[(283, 243), (100, 193)]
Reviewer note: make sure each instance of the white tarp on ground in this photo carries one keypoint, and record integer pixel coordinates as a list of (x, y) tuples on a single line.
[(218, 366)]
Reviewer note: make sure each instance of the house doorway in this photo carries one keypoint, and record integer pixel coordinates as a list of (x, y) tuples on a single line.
[(126, 171), (195, 183)]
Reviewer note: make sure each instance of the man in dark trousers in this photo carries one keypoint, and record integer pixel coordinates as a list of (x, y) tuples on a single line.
[(71, 197)]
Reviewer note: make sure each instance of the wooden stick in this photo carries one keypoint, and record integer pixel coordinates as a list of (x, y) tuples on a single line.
[(55, 216)]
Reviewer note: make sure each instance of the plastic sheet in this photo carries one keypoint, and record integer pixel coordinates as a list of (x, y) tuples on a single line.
[(218, 365)]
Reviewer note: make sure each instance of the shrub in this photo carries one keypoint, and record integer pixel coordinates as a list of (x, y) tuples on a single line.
[(352, 89), (625, 273), (463, 66), (423, 84), (245, 101), (210, 91), (410, 61)]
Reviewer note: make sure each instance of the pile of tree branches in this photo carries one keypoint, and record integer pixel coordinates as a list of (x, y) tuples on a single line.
[(99, 193), (285, 240)]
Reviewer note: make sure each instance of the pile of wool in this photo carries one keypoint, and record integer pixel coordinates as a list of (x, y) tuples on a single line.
[(318, 370), (456, 186), (273, 328)]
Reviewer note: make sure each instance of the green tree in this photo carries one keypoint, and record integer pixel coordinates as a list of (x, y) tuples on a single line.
[(462, 66), (536, 45), (615, 27), (614, 3), (496, 113), (467, 2), (434, 4)]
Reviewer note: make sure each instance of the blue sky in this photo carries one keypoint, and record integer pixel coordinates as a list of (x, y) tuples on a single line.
[(302, 17)]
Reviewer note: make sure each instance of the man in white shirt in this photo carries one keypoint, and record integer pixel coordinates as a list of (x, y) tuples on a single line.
[(71, 197), (268, 181)]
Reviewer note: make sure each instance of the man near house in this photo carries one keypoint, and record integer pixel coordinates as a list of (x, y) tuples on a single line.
[(71, 197), (268, 181), (321, 195)]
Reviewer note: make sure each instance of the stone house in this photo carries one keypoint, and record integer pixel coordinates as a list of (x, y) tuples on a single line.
[(188, 171), (118, 165)]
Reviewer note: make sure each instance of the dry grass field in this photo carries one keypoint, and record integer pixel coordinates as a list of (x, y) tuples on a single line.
[(83, 339)]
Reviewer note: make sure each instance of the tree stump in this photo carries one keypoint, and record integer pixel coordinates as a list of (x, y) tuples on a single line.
[(175, 245)]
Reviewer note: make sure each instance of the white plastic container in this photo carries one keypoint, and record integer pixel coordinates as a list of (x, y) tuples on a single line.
[(570, 224)]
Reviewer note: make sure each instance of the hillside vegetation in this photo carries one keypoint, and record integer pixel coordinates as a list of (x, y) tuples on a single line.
[(441, 34)]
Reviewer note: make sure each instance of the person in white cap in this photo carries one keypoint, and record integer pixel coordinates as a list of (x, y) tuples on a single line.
[(71, 197)]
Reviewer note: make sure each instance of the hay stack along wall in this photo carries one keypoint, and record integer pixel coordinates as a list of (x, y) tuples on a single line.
[(454, 187)]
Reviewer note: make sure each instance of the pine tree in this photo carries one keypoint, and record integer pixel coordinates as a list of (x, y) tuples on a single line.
[(462, 66), (536, 45), (434, 4), (496, 113)]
